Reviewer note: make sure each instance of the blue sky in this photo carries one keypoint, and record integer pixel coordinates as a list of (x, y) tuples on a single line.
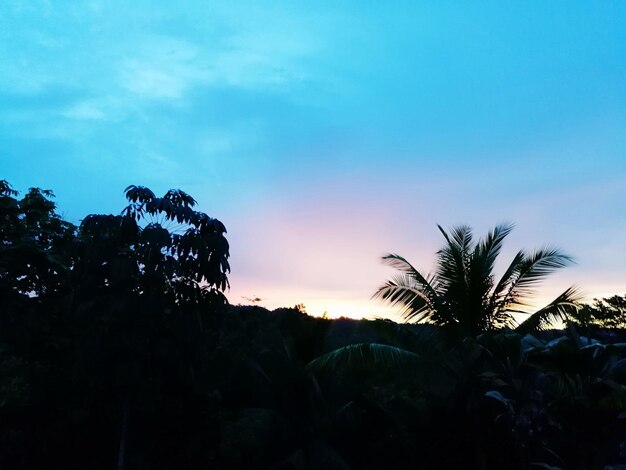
[(325, 134)]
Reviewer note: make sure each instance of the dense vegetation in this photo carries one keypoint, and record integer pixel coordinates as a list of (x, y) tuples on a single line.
[(118, 349)]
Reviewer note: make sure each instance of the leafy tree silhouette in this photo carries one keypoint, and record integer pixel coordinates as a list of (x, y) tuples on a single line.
[(157, 294), (34, 244)]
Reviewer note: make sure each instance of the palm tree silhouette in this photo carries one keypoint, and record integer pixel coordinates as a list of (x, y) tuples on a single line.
[(463, 291)]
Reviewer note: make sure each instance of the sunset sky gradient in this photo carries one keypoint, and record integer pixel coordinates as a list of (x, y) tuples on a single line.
[(325, 134)]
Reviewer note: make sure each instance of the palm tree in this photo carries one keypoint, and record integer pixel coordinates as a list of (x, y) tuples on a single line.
[(463, 290)]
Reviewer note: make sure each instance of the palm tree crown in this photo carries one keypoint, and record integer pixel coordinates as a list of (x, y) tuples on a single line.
[(463, 289)]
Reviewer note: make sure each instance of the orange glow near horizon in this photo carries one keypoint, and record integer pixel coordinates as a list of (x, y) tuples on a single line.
[(359, 305), (326, 254), (336, 304)]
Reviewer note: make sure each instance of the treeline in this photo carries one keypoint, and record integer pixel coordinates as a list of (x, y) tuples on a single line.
[(118, 349)]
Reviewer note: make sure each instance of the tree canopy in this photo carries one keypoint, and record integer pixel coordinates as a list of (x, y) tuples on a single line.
[(118, 349), (463, 290)]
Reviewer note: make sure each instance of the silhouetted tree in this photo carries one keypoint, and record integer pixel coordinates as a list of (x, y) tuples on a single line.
[(463, 290), (149, 297), (36, 258), (609, 312)]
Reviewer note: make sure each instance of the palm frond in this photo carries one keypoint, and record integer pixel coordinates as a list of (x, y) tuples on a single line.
[(498, 296), (459, 237), (401, 264), (463, 289), (557, 310), (370, 356), (401, 291), (474, 302), (487, 250), (409, 290), (453, 260), (425, 340), (530, 271)]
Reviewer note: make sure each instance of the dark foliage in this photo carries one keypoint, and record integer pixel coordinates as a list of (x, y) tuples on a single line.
[(106, 332), (603, 313), (118, 349)]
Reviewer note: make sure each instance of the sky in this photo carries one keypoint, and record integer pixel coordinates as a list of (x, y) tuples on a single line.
[(326, 134)]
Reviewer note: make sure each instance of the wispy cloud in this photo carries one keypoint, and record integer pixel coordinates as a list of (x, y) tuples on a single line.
[(84, 110), (164, 67), (325, 136), (167, 67)]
